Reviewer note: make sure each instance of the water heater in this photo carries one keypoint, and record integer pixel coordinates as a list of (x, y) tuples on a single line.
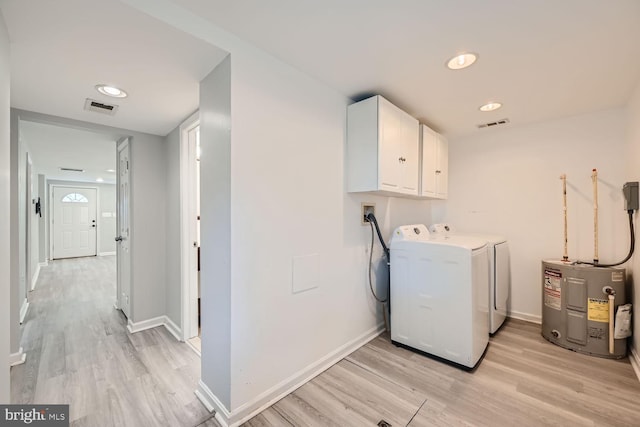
[(578, 307)]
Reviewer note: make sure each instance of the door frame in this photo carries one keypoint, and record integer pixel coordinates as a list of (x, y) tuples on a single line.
[(188, 233), (120, 145), (51, 201)]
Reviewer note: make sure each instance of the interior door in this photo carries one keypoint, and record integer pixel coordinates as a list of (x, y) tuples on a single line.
[(74, 222), (123, 225)]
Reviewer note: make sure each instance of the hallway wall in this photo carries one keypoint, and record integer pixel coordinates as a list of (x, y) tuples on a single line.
[(173, 208), (147, 182), (5, 168)]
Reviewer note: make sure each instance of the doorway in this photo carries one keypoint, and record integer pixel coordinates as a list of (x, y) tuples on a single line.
[(73, 222), (190, 229), (123, 301)]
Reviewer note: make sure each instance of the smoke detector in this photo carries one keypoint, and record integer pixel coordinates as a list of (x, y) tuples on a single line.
[(100, 107), (492, 124)]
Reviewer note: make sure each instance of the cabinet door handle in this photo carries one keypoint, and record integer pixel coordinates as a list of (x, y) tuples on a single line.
[(438, 171), (402, 159)]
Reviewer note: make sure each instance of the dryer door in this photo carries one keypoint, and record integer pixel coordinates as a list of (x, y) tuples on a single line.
[(502, 277)]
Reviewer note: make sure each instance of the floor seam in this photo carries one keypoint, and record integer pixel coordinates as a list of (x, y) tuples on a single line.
[(414, 415)]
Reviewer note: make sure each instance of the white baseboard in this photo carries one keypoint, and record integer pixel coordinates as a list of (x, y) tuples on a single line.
[(248, 410), (34, 279), (17, 358), (211, 402), (534, 318), (173, 329), (634, 358), (24, 309), (106, 253)]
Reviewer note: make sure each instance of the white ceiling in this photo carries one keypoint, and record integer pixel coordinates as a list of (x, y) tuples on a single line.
[(52, 147), (61, 49), (542, 59)]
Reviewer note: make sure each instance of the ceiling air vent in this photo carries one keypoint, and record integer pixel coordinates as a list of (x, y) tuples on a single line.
[(492, 124), (71, 170), (100, 107)]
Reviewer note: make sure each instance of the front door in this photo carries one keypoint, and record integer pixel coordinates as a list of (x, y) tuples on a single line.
[(123, 220), (74, 222)]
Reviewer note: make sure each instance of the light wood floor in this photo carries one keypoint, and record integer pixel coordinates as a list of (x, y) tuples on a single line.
[(79, 352), (522, 381)]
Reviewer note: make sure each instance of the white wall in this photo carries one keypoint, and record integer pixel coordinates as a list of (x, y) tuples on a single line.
[(107, 204), (172, 234), (5, 190), (632, 173), (506, 181), (148, 246), (215, 231), (287, 199), (17, 240)]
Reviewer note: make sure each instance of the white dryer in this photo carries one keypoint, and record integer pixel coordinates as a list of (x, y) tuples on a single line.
[(499, 271), (439, 292)]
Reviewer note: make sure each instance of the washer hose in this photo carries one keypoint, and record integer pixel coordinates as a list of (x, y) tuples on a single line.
[(631, 249), (372, 221)]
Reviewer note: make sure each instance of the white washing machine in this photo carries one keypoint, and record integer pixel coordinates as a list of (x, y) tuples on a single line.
[(439, 292), (499, 271)]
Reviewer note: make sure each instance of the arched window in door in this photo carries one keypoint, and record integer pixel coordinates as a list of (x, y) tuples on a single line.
[(74, 198)]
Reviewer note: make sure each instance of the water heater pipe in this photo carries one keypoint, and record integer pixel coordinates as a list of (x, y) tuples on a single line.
[(565, 255), (594, 178), (612, 306)]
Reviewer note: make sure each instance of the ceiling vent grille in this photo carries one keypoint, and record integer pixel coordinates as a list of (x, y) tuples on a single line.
[(100, 107), (492, 124), (71, 170)]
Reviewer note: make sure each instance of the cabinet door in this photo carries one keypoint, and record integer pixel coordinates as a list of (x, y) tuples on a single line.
[(442, 168), (429, 161), (409, 164), (390, 146)]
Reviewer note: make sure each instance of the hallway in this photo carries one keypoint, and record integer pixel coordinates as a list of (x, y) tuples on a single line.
[(79, 352)]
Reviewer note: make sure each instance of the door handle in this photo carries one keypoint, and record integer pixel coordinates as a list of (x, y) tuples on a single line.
[(119, 239)]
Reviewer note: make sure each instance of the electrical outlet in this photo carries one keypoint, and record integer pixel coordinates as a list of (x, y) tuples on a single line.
[(365, 209)]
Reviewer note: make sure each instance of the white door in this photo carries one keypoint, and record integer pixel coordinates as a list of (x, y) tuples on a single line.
[(74, 222), (123, 224)]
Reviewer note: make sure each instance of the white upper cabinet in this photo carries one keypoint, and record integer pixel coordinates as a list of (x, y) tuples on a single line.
[(435, 164), (382, 148)]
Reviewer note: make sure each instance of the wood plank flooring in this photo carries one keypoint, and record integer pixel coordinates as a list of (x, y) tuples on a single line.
[(522, 381), (79, 352)]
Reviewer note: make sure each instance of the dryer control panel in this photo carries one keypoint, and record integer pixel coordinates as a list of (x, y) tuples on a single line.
[(414, 232)]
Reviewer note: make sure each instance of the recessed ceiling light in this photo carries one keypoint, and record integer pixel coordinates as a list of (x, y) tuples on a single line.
[(111, 91), (99, 179), (111, 171), (491, 106), (461, 61)]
